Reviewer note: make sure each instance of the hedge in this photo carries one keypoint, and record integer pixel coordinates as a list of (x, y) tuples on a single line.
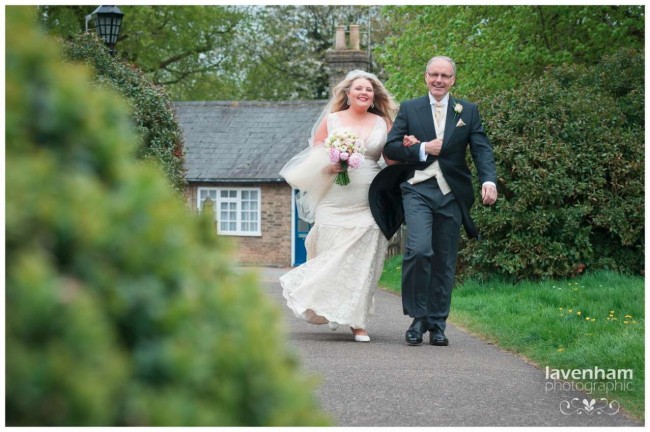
[(152, 109), (569, 148), (121, 308)]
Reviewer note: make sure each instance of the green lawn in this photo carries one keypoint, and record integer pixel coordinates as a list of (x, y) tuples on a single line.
[(594, 321)]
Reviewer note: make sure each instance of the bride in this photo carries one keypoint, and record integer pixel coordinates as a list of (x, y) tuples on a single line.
[(345, 247)]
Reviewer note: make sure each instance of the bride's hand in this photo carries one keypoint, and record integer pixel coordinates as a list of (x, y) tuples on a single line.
[(409, 140), (334, 168)]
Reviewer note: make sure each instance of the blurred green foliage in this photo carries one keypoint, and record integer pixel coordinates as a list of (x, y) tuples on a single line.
[(151, 106), (121, 308), (569, 148)]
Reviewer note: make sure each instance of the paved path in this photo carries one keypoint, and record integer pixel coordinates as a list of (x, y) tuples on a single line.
[(387, 383)]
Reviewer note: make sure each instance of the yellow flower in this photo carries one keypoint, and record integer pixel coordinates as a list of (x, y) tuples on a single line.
[(579, 313), (588, 319), (628, 316), (561, 349)]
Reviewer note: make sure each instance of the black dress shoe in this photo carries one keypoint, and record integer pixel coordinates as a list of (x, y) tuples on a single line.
[(416, 330), (438, 338)]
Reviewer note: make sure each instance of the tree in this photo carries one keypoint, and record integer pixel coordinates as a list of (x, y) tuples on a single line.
[(285, 48), (186, 49), (233, 52), (498, 47)]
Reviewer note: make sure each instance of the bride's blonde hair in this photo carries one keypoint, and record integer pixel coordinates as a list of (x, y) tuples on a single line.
[(384, 104)]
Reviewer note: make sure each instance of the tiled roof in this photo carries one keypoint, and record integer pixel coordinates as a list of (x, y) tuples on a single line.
[(243, 141)]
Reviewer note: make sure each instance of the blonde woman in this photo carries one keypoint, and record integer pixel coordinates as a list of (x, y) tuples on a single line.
[(345, 247)]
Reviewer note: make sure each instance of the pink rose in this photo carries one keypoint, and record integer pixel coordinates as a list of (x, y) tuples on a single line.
[(345, 156), (355, 160), (335, 155)]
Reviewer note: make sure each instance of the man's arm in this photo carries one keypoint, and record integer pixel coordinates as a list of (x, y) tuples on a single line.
[(483, 158), (394, 148)]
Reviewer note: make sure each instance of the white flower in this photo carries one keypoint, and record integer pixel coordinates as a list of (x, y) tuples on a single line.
[(458, 108)]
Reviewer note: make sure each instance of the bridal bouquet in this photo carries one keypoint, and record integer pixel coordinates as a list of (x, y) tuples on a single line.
[(346, 149)]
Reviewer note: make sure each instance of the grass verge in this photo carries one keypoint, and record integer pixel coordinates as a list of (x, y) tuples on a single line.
[(594, 321)]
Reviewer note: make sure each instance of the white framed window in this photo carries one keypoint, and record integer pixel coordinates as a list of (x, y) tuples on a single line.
[(237, 210)]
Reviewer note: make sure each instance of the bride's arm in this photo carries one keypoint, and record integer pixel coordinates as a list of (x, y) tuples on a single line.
[(319, 138), (321, 133)]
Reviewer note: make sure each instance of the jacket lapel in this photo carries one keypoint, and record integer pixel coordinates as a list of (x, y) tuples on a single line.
[(450, 123), (426, 118)]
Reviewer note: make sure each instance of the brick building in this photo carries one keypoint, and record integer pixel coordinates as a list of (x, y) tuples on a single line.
[(234, 152)]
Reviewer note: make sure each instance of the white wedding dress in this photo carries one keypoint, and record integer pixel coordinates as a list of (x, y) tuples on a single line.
[(345, 247)]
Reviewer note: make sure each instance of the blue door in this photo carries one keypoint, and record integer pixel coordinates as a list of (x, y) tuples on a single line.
[(300, 230)]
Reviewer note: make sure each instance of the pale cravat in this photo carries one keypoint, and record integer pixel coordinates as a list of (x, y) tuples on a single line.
[(439, 113)]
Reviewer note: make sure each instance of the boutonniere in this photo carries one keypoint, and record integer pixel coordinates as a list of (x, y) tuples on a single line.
[(458, 108)]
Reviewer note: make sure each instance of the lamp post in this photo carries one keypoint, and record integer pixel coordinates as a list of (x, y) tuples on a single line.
[(107, 23)]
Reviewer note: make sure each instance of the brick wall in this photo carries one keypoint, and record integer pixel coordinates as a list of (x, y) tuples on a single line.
[(273, 247)]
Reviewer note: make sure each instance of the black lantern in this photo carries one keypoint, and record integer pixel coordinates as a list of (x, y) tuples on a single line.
[(107, 20)]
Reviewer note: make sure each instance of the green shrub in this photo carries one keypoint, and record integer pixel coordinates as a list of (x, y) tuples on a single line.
[(152, 108), (569, 148), (121, 308)]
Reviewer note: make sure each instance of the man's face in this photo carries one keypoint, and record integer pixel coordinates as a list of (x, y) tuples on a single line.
[(439, 78)]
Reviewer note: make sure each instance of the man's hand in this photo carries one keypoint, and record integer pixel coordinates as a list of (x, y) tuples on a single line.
[(433, 147), (489, 194)]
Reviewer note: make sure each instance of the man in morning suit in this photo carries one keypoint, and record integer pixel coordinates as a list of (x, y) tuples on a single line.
[(430, 137)]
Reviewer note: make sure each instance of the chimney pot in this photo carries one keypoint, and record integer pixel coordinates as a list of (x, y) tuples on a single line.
[(354, 37), (339, 42)]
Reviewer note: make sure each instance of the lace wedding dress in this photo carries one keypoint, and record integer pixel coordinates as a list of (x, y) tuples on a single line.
[(345, 247)]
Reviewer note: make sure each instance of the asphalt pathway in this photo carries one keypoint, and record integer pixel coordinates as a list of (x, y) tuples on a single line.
[(388, 383)]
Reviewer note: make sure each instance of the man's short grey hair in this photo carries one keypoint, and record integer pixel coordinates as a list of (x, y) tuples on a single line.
[(449, 59)]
